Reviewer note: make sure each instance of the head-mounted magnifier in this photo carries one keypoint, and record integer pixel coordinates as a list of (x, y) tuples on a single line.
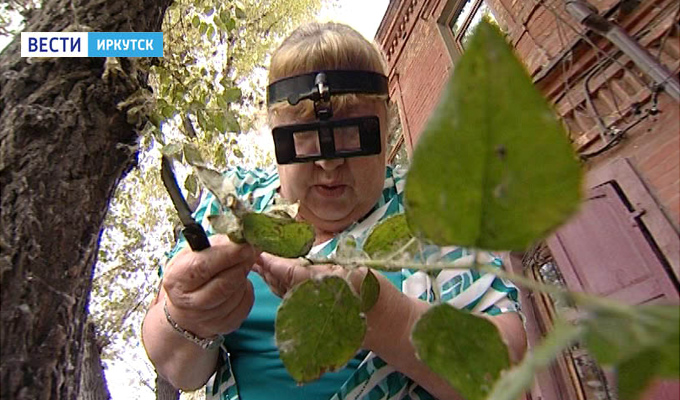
[(326, 138)]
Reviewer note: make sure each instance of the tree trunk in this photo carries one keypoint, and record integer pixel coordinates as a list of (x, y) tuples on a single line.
[(64, 146), (92, 379), (164, 390)]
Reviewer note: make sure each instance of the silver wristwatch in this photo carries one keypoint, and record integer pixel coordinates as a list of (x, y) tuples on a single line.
[(207, 343)]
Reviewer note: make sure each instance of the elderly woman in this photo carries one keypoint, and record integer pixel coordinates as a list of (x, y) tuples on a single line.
[(327, 102)]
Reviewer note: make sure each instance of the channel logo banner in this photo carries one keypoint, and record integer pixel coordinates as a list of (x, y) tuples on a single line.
[(92, 44)]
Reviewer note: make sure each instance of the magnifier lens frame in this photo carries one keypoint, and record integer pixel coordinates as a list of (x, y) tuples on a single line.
[(368, 128)]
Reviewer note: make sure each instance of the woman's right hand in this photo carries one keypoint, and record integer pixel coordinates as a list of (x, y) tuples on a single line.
[(208, 292)]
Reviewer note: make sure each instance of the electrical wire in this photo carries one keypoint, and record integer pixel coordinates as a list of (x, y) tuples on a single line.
[(620, 135), (604, 130), (592, 44)]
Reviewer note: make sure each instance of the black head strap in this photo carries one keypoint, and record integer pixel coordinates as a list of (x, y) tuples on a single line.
[(308, 86)]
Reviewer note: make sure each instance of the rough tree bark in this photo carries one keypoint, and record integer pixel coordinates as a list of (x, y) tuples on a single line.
[(63, 148), (92, 380)]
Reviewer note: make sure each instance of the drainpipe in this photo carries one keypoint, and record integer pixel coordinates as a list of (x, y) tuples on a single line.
[(588, 15)]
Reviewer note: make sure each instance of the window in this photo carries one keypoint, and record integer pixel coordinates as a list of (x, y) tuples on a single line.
[(575, 372), (459, 19), (467, 19), (397, 149)]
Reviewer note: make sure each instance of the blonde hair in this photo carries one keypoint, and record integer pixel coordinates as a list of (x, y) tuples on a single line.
[(324, 46)]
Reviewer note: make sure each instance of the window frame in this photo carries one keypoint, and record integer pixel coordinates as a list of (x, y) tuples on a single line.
[(450, 11)]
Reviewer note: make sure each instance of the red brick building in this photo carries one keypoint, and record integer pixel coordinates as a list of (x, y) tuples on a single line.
[(622, 119)]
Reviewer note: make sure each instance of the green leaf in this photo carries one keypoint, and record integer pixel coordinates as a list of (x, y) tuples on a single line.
[(388, 236), (155, 118), (226, 19), (202, 122), (195, 105), (230, 24), (635, 374), (220, 155), (162, 76), (232, 94), (168, 111), (220, 123), (160, 103), (230, 121), (319, 327), (195, 21), (370, 291), (237, 152), (520, 378), (219, 24), (191, 183), (192, 154), (613, 337), (220, 102), (668, 317), (158, 135), (203, 28), (209, 11), (464, 349), (494, 168), (172, 149), (282, 237), (177, 95), (669, 359), (239, 13), (211, 32), (641, 341)]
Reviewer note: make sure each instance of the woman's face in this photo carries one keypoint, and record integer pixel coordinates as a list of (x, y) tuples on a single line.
[(335, 193)]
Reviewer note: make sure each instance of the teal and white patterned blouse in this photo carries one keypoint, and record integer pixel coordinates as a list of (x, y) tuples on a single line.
[(373, 379)]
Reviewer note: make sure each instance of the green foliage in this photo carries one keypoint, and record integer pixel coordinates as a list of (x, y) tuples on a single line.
[(464, 349), (519, 379), (511, 175), (280, 236), (641, 341), (14, 13), (206, 78), (616, 336), (132, 247), (192, 155), (275, 232), (388, 236), (370, 291), (172, 150), (635, 374), (319, 327)]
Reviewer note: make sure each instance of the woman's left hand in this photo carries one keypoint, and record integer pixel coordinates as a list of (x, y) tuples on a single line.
[(282, 274)]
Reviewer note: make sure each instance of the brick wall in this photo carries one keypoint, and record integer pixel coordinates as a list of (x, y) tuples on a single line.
[(419, 64), (546, 38), (575, 75)]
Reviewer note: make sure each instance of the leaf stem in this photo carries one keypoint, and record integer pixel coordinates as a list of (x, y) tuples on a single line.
[(587, 302), (402, 249), (515, 381)]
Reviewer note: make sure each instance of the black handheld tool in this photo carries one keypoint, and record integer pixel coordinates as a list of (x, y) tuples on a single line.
[(193, 231)]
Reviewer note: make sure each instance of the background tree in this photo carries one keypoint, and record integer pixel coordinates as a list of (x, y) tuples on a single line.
[(65, 142)]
